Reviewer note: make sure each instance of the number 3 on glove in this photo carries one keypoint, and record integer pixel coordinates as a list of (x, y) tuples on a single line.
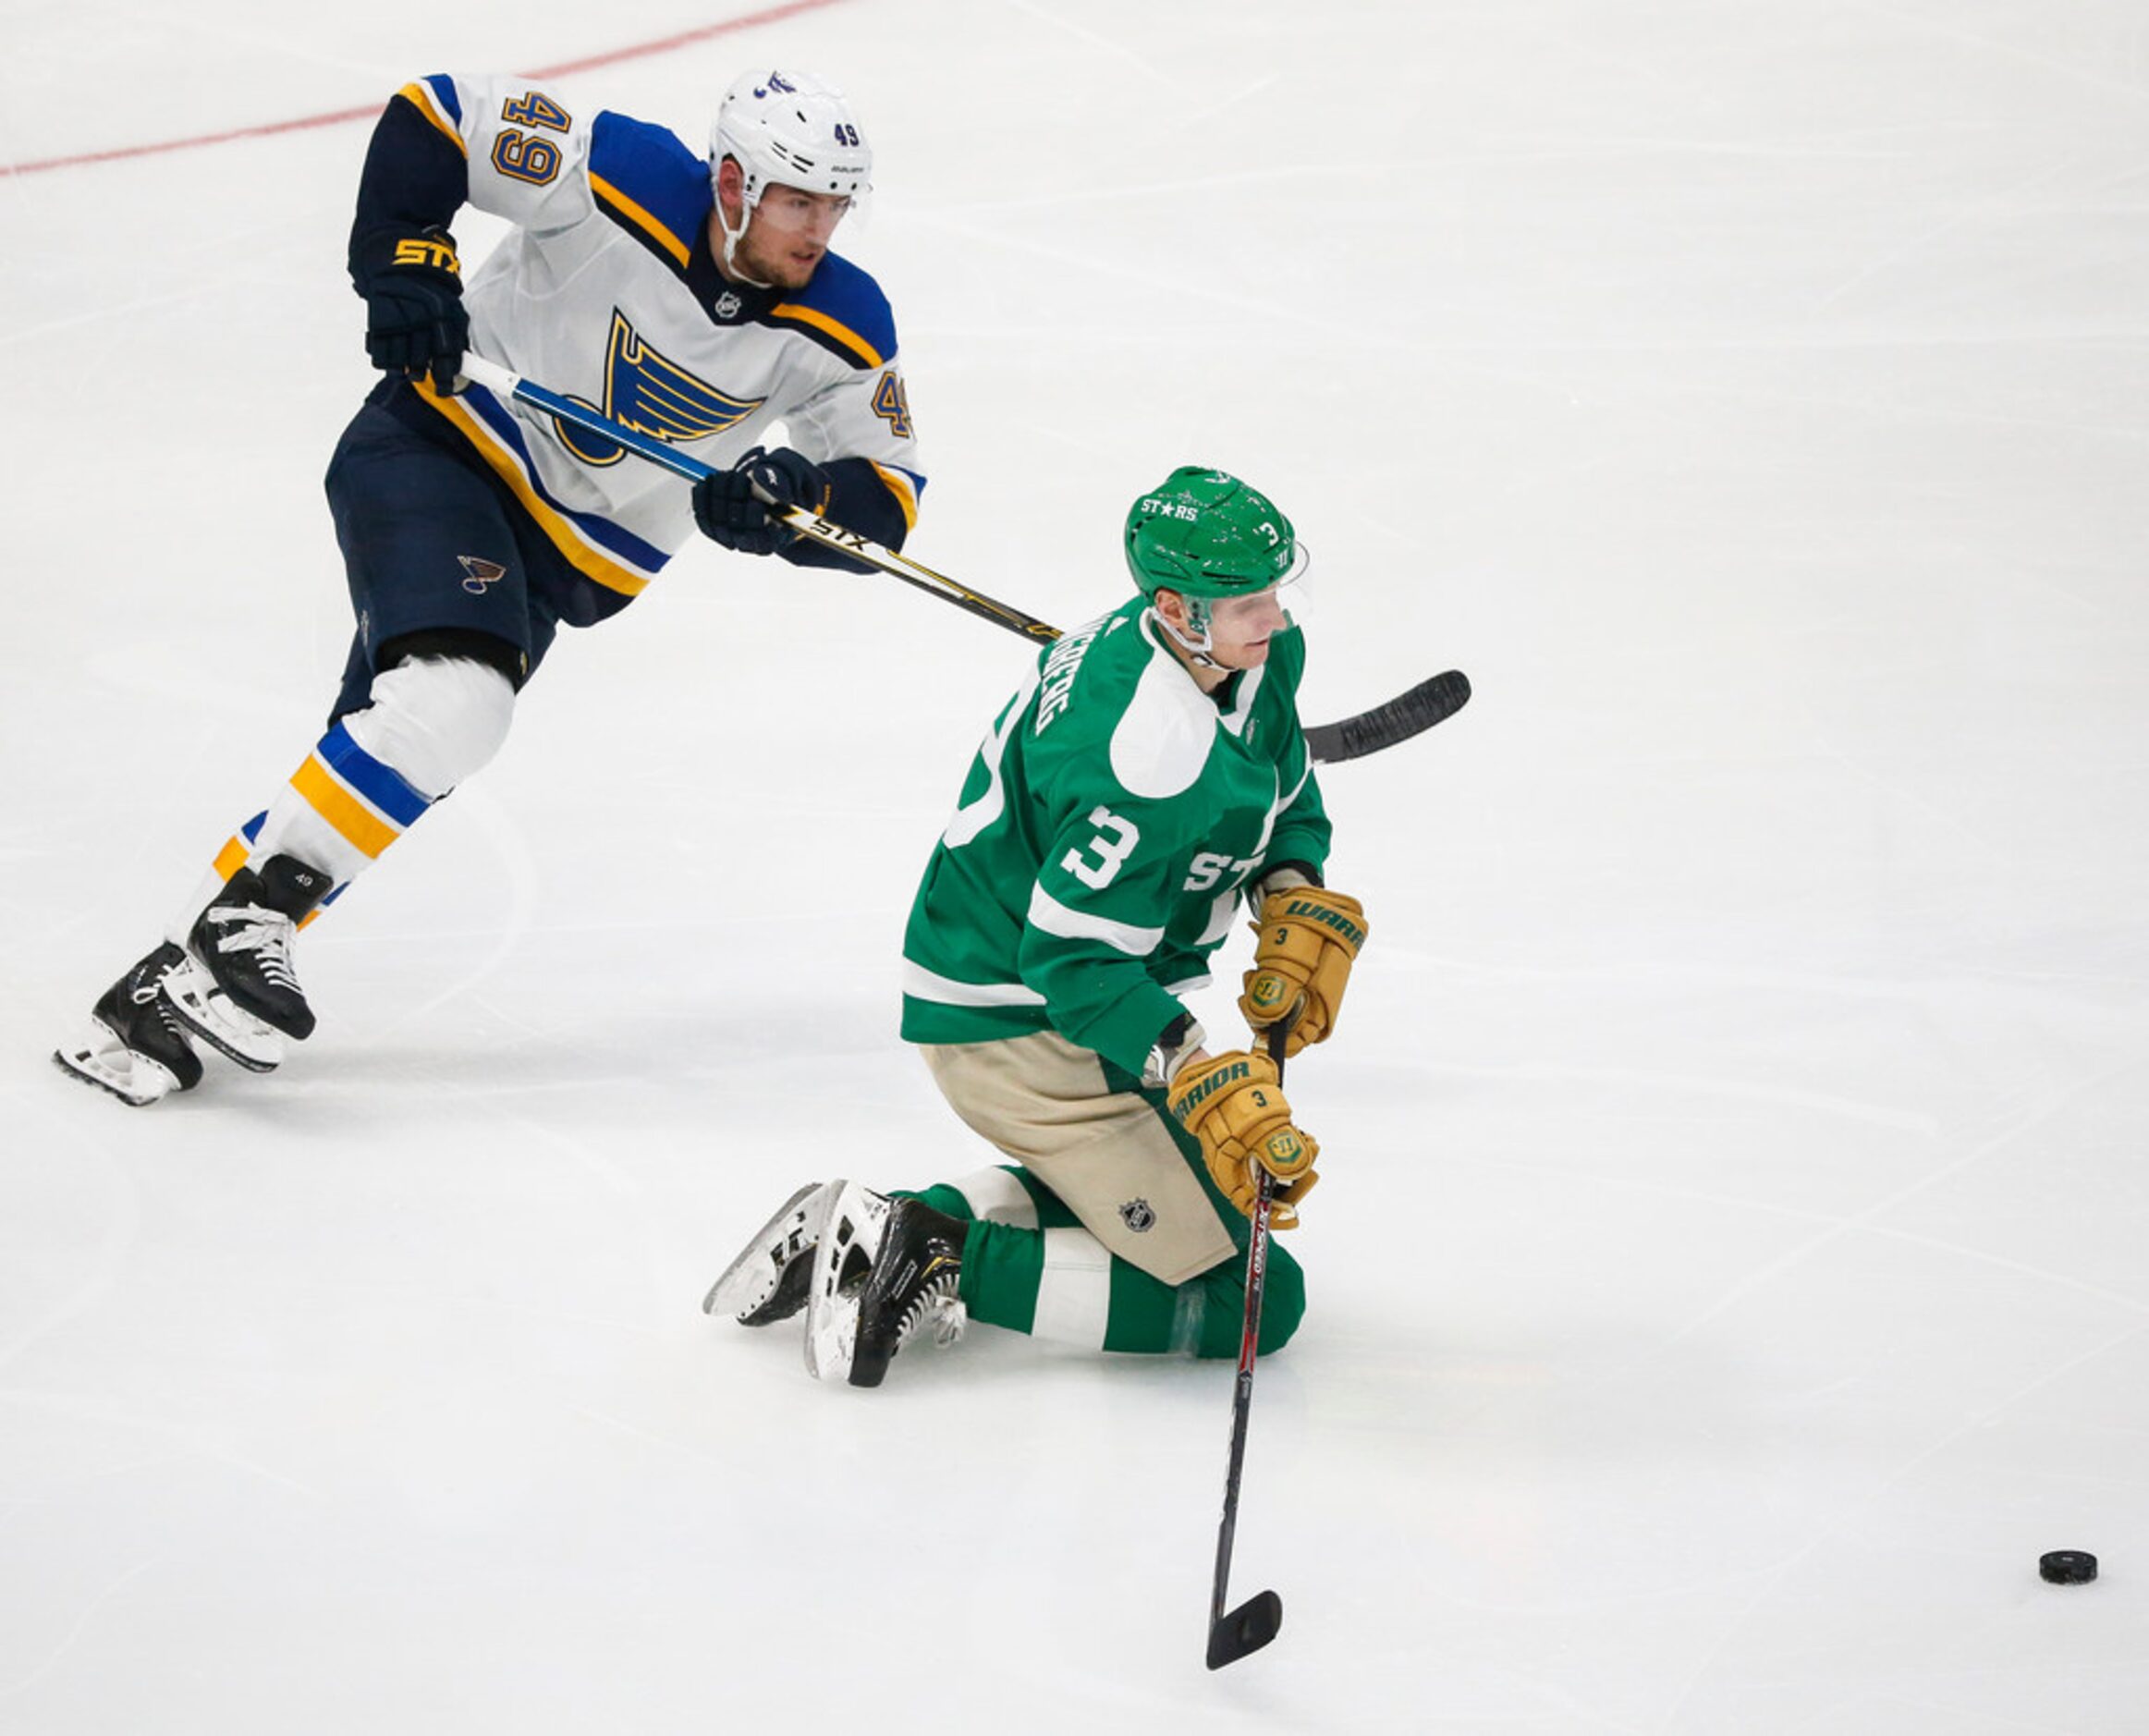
[(1233, 1104), (1309, 938)]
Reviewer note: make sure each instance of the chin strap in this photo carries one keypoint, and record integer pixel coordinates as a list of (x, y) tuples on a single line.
[(731, 240), (1197, 650)]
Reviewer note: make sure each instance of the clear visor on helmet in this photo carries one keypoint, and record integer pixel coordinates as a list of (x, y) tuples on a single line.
[(1201, 610), (793, 211)]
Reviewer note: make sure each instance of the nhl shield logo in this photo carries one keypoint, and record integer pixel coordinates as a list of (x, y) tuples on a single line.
[(1136, 1215)]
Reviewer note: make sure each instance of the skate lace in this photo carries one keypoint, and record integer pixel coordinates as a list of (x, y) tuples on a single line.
[(939, 1304), (263, 933)]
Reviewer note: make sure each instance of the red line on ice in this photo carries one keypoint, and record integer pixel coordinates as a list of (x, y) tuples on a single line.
[(664, 45)]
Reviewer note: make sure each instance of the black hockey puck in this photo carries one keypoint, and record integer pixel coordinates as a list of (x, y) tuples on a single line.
[(2068, 1567)]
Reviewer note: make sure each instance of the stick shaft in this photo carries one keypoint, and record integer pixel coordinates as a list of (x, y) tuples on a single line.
[(505, 382), (1242, 1394), (1249, 1346), (1422, 706)]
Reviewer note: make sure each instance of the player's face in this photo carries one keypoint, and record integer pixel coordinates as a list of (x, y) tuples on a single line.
[(786, 236), (1241, 628)]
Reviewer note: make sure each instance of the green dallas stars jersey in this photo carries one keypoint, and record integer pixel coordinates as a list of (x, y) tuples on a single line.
[(1105, 830)]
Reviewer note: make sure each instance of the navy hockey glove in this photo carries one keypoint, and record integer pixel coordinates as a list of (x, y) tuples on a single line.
[(729, 509), (415, 322)]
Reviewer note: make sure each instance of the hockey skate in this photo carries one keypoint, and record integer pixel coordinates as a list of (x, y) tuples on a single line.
[(884, 1268), (768, 1281), (244, 997), (135, 1047)]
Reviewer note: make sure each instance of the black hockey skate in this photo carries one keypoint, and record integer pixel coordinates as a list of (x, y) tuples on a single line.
[(135, 1047), (243, 940), (768, 1281), (884, 1268)]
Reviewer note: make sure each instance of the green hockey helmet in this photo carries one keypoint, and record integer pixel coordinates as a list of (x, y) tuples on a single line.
[(1204, 533)]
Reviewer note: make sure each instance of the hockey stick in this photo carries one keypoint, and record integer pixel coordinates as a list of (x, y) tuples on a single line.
[(1405, 715), (809, 525), (1349, 738), (1261, 1618)]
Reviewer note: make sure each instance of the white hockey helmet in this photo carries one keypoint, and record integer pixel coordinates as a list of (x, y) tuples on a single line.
[(794, 129)]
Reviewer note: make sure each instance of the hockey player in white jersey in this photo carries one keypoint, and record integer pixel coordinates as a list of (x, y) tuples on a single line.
[(1148, 778), (690, 294)]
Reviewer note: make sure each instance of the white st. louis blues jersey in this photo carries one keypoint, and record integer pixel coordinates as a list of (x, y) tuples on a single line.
[(604, 290)]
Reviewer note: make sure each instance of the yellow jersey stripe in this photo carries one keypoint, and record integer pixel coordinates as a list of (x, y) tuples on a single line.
[(641, 220), (580, 555), (420, 95), (232, 857), (898, 485), (843, 334), (365, 829)]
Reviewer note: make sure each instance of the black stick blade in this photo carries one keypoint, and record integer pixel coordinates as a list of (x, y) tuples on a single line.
[(1246, 1629), (1407, 714)]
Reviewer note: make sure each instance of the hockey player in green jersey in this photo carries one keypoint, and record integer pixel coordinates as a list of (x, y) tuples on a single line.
[(1147, 778)]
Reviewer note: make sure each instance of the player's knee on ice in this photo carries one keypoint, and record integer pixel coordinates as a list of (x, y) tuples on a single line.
[(1283, 1305)]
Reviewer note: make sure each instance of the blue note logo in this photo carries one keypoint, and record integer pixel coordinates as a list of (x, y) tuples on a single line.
[(478, 573), (653, 395)]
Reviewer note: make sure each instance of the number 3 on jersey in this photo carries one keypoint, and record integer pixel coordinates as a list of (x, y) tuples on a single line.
[(1112, 846)]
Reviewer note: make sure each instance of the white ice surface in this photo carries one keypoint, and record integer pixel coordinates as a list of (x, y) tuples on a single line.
[(1733, 1267)]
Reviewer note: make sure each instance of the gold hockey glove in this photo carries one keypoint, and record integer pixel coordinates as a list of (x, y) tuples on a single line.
[(1309, 936), (1234, 1106)]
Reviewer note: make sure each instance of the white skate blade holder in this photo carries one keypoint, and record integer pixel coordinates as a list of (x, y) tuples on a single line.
[(851, 1242), (100, 1058), (209, 1013)]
